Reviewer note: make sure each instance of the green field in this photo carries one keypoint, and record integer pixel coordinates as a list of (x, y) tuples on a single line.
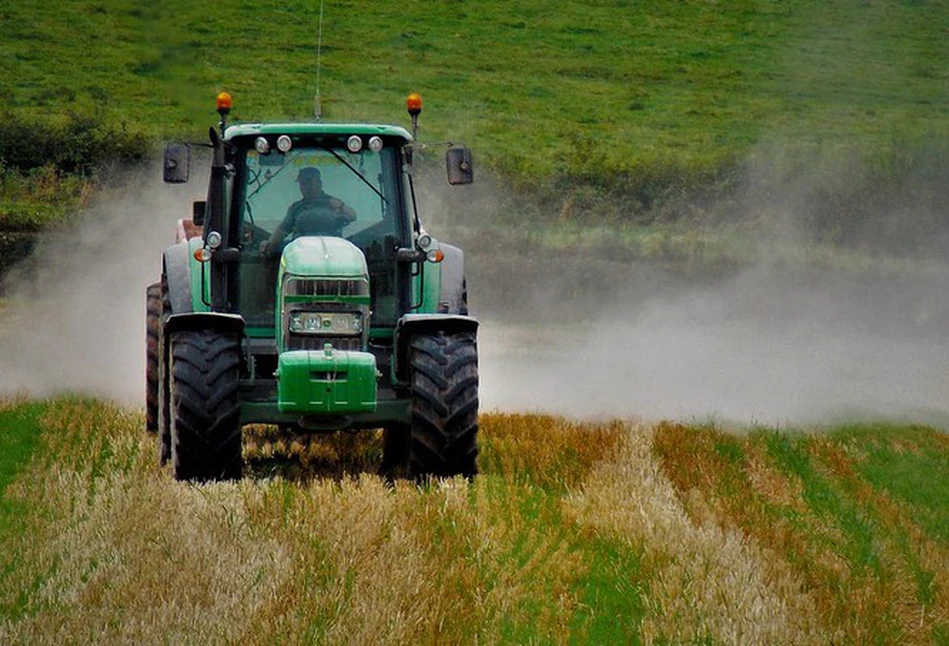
[(684, 135), (618, 111), (574, 533)]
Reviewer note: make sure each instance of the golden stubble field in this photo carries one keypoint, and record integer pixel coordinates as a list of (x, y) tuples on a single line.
[(603, 531)]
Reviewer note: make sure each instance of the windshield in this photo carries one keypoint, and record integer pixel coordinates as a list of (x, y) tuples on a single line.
[(272, 185), (318, 191)]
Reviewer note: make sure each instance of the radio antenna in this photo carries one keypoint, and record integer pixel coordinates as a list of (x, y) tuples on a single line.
[(317, 103)]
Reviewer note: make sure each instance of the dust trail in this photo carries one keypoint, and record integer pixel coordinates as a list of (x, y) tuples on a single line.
[(755, 348), (586, 334), (74, 318), (577, 334)]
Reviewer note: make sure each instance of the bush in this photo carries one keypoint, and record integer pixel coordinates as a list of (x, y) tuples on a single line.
[(73, 144)]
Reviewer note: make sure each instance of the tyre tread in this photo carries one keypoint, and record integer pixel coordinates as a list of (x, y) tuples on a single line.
[(206, 435), (444, 394)]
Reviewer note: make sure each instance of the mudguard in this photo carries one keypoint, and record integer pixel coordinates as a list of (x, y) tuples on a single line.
[(204, 321), (413, 324), (177, 263), (452, 298), (183, 278)]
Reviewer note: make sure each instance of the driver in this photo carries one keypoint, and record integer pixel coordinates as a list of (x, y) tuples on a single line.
[(316, 214)]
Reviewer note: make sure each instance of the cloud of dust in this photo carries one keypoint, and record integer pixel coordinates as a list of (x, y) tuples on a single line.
[(756, 348), (580, 334), (74, 318), (570, 333)]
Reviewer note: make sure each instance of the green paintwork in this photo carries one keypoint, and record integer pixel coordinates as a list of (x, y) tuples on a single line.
[(326, 381), (254, 129), (431, 288), (195, 269), (355, 300), (323, 257), (387, 412)]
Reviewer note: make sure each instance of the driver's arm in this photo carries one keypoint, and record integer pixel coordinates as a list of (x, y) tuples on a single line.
[(278, 234), (346, 212)]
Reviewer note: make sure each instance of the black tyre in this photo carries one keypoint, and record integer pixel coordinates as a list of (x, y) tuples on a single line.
[(205, 407), (443, 437), (153, 304), (164, 400)]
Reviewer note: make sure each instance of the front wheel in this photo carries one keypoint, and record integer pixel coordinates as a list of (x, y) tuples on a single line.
[(443, 436), (205, 406)]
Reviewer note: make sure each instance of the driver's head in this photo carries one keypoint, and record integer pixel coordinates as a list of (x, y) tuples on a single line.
[(311, 184)]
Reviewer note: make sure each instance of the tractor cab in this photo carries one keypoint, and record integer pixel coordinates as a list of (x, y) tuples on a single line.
[(361, 196)]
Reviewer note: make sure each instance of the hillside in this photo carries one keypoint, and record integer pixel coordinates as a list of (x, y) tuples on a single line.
[(641, 104)]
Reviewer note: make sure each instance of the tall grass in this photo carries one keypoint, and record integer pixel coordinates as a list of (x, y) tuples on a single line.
[(119, 552), (573, 533)]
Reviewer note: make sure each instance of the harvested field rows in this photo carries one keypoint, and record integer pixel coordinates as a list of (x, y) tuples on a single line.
[(573, 532)]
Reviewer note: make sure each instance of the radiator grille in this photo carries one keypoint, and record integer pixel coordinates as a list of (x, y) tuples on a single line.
[(301, 342), (326, 287)]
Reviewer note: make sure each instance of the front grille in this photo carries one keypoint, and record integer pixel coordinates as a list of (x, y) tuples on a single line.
[(326, 287), (301, 342)]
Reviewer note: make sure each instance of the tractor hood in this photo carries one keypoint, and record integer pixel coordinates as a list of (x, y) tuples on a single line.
[(323, 256), (320, 274)]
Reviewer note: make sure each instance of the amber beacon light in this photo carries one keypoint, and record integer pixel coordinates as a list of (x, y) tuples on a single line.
[(414, 104), (224, 103)]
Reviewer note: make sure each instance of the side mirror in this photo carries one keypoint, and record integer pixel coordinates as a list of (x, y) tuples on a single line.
[(177, 165), (198, 208), (459, 165)]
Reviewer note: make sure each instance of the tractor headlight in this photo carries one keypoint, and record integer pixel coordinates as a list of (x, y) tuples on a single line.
[(328, 323)]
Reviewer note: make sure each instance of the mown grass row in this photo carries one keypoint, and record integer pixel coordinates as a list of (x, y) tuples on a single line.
[(858, 517), (574, 532)]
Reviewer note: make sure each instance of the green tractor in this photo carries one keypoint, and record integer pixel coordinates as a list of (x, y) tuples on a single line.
[(304, 292)]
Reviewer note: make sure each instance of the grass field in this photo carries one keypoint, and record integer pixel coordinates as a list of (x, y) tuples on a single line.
[(575, 532), (615, 109), (688, 135)]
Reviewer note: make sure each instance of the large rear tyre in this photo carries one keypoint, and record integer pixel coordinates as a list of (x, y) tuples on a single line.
[(164, 400), (205, 406), (153, 304), (443, 436)]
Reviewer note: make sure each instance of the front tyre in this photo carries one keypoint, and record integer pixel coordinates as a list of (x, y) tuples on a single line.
[(205, 407), (443, 438)]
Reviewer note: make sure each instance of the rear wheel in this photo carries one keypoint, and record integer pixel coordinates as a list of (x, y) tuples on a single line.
[(152, 341), (164, 400), (443, 436), (205, 407)]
